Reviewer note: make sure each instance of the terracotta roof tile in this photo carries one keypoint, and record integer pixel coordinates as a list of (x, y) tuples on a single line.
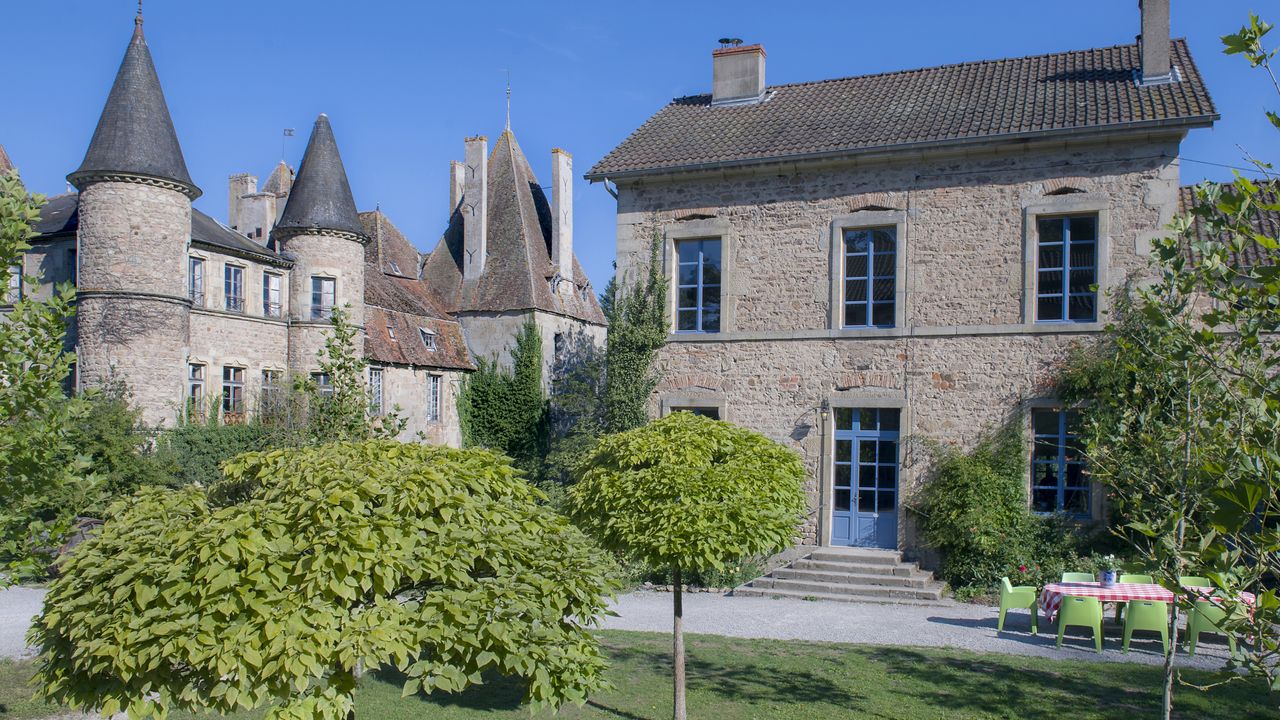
[(1264, 223), (1071, 91)]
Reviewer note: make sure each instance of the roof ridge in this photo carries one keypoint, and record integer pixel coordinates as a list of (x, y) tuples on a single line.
[(944, 66)]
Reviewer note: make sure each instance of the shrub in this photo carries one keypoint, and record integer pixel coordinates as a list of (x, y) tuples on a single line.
[(975, 514), (342, 558)]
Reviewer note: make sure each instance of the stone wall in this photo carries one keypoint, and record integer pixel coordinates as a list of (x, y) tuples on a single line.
[(407, 387), (222, 339), (493, 335), (215, 264), (133, 315), (965, 354), (327, 256)]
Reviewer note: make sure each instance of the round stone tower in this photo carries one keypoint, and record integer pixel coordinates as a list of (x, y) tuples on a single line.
[(321, 232), (134, 229)]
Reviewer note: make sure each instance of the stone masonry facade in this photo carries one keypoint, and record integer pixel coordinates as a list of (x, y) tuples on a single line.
[(965, 354)]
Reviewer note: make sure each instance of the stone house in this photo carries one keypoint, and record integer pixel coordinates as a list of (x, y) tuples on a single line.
[(864, 265), (189, 311)]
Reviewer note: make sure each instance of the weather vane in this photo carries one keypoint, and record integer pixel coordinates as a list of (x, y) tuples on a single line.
[(508, 99)]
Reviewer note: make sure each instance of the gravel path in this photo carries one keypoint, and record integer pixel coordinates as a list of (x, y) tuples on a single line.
[(18, 607), (952, 625)]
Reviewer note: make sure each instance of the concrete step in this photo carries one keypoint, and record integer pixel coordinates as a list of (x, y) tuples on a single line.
[(829, 588), (905, 570), (856, 555), (747, 591), (906, 579)]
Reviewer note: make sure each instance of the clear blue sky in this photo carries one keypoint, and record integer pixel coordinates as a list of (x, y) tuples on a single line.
[(404, 82)]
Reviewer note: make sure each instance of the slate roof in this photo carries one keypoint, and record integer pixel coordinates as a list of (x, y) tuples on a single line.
[(1264, 223), (1069, 92), (60, 215), (518, 268), (5, 163), (135, 134), (321, 195)]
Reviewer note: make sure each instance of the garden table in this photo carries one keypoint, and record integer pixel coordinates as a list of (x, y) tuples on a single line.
[(1051, 596)]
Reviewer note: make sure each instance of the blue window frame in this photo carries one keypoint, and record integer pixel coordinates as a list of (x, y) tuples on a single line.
[(1067, 268), (866, 460), (870, 282), (698, 286), (1059, 477)]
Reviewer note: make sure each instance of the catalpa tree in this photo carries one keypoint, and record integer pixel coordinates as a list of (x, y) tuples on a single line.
[(312, 565)]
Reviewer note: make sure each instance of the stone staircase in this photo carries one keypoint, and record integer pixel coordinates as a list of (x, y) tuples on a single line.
[(849, 575)]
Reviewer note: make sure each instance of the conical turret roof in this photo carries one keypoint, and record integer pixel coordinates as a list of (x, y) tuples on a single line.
[(135, 134), (321, 196)]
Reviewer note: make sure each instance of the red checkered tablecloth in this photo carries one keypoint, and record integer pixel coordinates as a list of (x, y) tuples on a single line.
[(1051, 596)]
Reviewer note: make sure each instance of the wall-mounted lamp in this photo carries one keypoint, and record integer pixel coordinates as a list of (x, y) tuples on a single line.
[(825, 410)]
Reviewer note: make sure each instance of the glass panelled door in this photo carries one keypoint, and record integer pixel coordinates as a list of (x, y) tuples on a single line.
[(864, 508)]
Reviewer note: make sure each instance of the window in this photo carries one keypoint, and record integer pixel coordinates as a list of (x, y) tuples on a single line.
[(233, 394), (195, 281), (428, 338), (271, 390), (14, 292), (1066, 268), (195, 387), (394, 267), (73, 267), (324, 384), (375, 390), (698, 286), (270, 295), (391, 332), (1059, 479), (708, 412), (870, 284), (233, 287), (433, 398), (322, 297)]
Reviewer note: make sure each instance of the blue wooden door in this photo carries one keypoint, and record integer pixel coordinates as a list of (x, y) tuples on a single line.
[(864, 510)]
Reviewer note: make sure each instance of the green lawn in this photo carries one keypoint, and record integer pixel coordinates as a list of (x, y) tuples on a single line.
[(733, 678)]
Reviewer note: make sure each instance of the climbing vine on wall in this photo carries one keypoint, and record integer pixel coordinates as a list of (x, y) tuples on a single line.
[(506, 409)]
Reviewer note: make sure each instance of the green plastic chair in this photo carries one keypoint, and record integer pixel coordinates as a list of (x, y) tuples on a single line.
[(1078, 577), (1081, 612), (1017, 598), (1147, 615), (1204, 617), (1193, 581), (1129, 578)]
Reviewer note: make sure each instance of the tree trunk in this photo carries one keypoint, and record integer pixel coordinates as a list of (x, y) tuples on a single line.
[(677, 649)]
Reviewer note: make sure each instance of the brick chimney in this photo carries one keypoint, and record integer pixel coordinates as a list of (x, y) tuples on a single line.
[(475, 208), (737, 75), (457, 183), (562, 213), (1153, 43)]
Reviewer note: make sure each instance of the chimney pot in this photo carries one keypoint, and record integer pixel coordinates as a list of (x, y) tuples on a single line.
[(737, 75), (562, 214), (475, 211), (1153, 43)]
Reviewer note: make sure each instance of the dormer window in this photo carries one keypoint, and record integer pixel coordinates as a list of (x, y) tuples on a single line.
[(428, 338), (391, 332), (394, 267)]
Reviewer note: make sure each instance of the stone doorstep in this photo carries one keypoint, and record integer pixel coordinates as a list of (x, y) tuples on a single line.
[(850, 575), (851, 578), (861, 568), (826, 588), (778, 593), (856, 555)]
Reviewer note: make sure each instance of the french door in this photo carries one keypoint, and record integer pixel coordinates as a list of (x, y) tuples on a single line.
[(864, 509)]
